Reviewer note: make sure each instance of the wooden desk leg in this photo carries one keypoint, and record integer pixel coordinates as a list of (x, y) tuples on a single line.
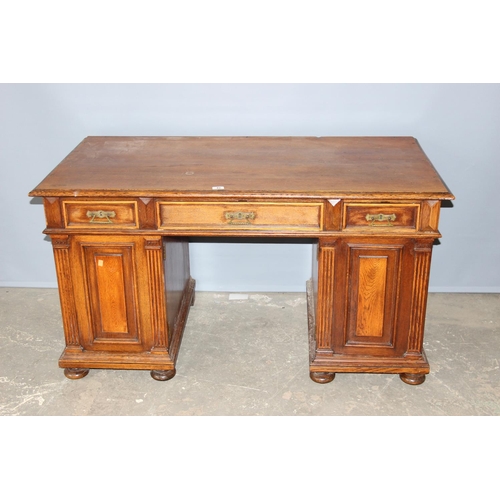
[(163, 375), (412, 378), (75, 373), (322, 377)]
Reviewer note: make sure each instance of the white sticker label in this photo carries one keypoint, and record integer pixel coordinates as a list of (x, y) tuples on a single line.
[(100, 263), (217, 188)]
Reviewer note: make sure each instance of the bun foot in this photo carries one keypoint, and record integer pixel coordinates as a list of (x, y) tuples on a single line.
[(163, 375), (76, 373), (412, 378), (322, 377)]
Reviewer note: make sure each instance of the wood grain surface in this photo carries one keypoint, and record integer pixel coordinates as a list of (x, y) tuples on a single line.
[(299, 166)]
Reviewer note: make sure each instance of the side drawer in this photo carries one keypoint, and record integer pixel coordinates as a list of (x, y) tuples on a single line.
[(381, 215), (100, 214), (240, 216)]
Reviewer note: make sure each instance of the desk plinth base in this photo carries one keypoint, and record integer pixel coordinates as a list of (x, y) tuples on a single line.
[(411, 372), (75, 373), (323, 367)]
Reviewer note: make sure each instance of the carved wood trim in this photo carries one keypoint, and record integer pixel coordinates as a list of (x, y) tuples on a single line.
[(153, 243), (61, 245), (147, 216), (419, 298), (154, 254), (430, 215), (326, 284), (53, 214), (333, 215)]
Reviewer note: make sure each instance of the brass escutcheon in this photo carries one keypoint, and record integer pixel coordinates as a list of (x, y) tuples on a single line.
[(374, 218), (239, 217), (100, 214)]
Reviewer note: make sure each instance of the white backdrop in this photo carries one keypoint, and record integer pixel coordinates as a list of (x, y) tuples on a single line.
[(458, 126)]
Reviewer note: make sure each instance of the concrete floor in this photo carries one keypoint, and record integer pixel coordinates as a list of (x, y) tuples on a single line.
[(250, 357)]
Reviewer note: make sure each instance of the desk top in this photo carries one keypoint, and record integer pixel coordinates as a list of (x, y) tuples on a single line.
[(299, 167)]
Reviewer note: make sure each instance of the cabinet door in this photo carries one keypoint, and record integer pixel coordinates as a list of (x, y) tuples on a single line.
[(112, 297), (374, 302)]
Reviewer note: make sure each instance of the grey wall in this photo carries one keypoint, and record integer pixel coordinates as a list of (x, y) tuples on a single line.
[(457, 125)]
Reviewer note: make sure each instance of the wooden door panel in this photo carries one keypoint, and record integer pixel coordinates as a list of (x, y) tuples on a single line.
[(372, 279), (112, 297), (372, 295), (112, 293)]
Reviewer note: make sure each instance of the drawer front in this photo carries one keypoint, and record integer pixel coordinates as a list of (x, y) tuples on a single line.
[(381, 215), (100, 215), (241, 216)]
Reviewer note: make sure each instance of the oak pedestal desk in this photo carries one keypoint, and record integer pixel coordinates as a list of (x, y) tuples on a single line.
[(120, 212)]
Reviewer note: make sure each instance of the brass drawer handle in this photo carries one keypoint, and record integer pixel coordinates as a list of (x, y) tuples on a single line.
[(239, 217), (100, 214), (374, 218)]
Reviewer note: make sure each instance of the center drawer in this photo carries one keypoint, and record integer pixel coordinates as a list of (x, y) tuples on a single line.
[(239, 216)]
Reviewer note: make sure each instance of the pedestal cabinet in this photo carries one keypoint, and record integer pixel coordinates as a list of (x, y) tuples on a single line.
[(114, 293), (120, 212), (372, 297)]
